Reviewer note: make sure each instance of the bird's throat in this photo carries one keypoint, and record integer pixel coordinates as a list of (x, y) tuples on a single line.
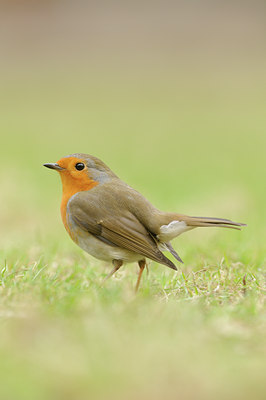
[(72, 186)]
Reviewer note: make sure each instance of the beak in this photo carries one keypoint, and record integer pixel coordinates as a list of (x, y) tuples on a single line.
[(53, 166)]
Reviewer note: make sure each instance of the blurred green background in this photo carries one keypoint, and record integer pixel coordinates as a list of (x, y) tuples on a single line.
[(171, 96)]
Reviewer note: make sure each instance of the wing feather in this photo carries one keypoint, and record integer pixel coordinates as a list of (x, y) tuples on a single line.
[(125, 231)]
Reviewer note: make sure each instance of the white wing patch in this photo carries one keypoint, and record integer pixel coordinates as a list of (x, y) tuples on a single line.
[(172, 230)]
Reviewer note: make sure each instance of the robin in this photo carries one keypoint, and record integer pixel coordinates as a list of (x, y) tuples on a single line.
[(113, 222)]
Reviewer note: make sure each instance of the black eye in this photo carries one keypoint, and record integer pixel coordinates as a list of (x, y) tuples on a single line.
[(79, 166)]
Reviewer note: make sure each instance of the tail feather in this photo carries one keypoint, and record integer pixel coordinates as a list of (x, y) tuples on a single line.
[(216, 222), (176, 224), (173, 252)]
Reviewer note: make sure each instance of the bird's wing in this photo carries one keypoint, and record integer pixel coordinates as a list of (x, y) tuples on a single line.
[(114, 226)]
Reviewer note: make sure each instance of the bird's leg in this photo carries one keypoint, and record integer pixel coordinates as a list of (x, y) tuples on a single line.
[(142, 264), (117, 264)]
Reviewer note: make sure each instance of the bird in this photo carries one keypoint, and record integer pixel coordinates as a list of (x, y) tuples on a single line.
[(114, 222)]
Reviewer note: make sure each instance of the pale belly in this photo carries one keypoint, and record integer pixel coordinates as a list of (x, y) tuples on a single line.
[(101, 250)]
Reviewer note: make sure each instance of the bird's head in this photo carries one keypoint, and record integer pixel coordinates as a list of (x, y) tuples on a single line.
[(81, 171)]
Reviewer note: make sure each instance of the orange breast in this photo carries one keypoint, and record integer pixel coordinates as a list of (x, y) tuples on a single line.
[(70, 187)]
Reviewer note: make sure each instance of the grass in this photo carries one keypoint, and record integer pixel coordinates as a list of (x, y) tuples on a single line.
[(195, 333), (65, 335)]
